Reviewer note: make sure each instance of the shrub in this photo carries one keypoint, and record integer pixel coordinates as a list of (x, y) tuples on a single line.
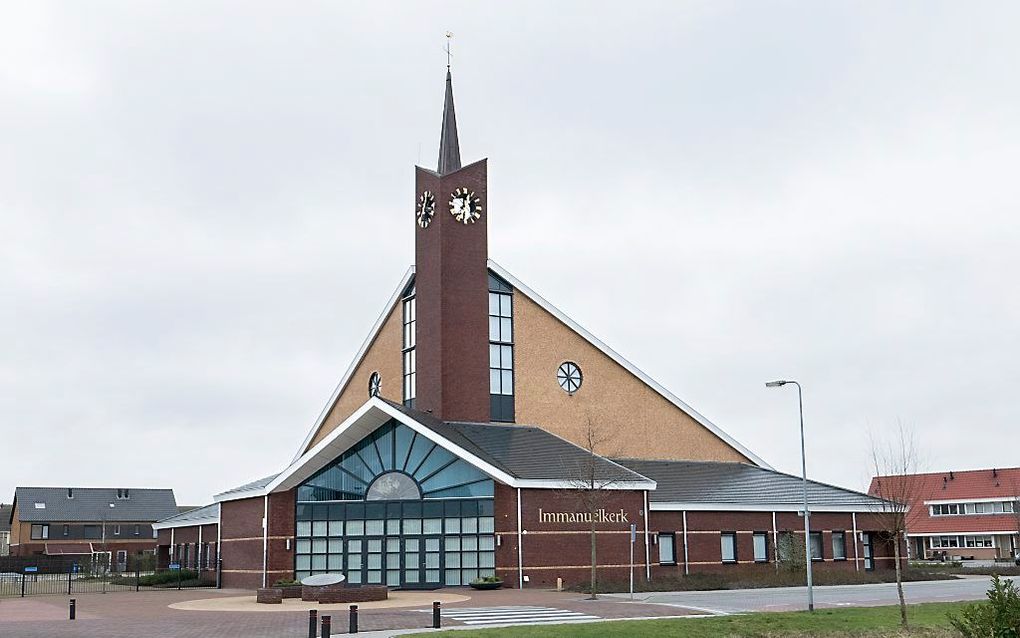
[(286, 582), (999, 617), (488, 579)]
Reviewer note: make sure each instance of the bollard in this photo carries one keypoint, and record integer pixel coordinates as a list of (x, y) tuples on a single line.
[(325, 626), (73, 608), (436, 609), (312, 622), (354, 619)]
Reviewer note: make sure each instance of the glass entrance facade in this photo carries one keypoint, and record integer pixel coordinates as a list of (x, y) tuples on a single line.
[(397, 509)]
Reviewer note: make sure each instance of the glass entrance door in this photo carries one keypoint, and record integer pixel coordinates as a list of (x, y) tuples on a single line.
[(422, 562)]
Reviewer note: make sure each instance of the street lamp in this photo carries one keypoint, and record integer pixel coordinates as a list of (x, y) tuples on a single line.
[(803, 473)]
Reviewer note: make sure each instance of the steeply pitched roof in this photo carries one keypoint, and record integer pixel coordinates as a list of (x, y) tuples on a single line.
[(718, 485), (449, 145), (561, 316), (954, 486), (51, 504)]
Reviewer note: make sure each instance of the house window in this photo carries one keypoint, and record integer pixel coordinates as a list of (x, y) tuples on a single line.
[(121, 558), (40, 506), (839, 545), (761, 544), (410, 319), (816, 546), (728, 542), (667, 548), (138, 530), (116, 530), (67, 530), (40, 532), (70, 493), (123, 494), (501, 350)]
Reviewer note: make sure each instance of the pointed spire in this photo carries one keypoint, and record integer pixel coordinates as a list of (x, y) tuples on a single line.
[(449, 146)]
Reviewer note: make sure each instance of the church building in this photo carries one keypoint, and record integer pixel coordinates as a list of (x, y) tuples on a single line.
[(481, 431)]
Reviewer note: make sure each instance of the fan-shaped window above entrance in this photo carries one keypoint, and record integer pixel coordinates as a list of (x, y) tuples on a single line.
[(395, 460)]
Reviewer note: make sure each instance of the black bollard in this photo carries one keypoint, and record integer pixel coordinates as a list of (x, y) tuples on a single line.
[(325, 626), (436, 609), (313, 621), (354, 619), (73, 609)]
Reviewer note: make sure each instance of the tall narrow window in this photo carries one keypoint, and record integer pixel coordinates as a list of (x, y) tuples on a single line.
[(816, 546), (409, 342), (501, 350), (728, 542), (839, 545), (761, 547), (667, 548)]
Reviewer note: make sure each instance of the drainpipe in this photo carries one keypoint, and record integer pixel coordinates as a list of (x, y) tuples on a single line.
[(687, 558), (857, 560), (648, 565), (520, 543), (775, 541), (265, 539), (198, 551)]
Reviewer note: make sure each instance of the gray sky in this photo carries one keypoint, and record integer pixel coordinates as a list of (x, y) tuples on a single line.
[(204, 207)]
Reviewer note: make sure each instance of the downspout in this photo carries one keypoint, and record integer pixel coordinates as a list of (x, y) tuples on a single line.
[(219, 545), (775, 540), (198, 551), (648, 565), (172, 548), (265, 539), (857, 560), (687, 558), (520, 542)]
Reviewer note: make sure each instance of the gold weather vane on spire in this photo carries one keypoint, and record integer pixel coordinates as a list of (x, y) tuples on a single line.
[(449, 36)]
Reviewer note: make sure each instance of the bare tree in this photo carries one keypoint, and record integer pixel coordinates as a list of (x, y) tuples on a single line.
[(895, 461), (591, 482)]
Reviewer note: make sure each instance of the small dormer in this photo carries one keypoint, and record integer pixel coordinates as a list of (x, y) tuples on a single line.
[(123, 494), (70, 493)]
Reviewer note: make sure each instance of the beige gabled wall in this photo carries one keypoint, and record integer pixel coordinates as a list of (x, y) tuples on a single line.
[(384, 356), (637, 421)]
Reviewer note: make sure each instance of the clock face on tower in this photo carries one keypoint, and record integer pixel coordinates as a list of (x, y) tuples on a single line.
[(426, 209), (465, 207)]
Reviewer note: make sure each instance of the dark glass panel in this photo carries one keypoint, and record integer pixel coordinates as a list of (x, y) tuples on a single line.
[(412, 510), (384, 443), (433, 510), (421, 447), (403, 436), (434, 461)]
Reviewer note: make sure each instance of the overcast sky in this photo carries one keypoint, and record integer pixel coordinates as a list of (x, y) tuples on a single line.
[(204, 207)]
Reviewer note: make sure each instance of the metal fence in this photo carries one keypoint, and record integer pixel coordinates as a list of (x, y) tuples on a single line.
[(36, 575)]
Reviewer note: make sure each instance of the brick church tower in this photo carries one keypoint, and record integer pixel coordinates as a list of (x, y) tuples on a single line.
[(451, 281)]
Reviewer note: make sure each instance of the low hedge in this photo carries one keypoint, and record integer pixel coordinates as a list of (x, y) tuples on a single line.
[(739, 579)]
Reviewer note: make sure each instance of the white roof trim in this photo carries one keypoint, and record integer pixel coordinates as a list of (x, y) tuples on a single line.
[(987, 499), (394, 298), (168, 523), (937, 534), (757, 507), (630, 367), (325, 452)]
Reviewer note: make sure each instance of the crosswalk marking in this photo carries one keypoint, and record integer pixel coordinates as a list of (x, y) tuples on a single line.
[(518, 615)]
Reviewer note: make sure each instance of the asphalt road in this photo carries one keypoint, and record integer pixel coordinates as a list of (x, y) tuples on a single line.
[(794, 598)]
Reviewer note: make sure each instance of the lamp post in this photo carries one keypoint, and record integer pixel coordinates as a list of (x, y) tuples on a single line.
[(803, 473)]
